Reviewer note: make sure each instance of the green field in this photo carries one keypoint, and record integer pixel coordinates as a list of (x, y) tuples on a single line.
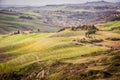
[(39, 47), (44, 49)]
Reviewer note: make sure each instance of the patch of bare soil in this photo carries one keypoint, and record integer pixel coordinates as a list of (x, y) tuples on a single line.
[(5, 57), (93, 42), (111, 44), (88, 40), (113, 39)]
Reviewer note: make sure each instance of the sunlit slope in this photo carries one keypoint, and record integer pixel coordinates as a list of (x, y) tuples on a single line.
[(110, 25), (28, 49)]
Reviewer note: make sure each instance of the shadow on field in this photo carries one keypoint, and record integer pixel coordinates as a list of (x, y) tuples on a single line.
[(5, 57)]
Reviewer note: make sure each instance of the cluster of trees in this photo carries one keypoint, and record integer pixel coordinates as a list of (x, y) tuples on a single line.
[(80, 27), (84, 27), (26, 17), (91, 29)]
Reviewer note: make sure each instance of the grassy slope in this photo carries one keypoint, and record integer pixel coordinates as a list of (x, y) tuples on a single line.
[(30, 52), (110, 25), (10, 23), (28, 49)]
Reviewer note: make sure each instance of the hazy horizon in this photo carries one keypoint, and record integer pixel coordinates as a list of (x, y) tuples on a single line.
[(44, 2)]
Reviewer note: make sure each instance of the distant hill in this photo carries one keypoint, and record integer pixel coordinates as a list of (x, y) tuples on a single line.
[(50, 18), (99, 3), (84, 5)]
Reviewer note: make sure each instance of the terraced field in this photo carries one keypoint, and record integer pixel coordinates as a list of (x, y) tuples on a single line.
[(54, 56)]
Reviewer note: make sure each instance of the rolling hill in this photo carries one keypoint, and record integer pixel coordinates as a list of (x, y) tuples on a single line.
[(9, 23), (54, 56)]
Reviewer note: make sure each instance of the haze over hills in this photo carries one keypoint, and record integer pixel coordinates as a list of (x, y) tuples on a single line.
[(46, 2), (56, 16), (88, 2)]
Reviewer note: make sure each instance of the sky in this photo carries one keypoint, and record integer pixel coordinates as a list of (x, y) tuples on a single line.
[(45, 2)]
